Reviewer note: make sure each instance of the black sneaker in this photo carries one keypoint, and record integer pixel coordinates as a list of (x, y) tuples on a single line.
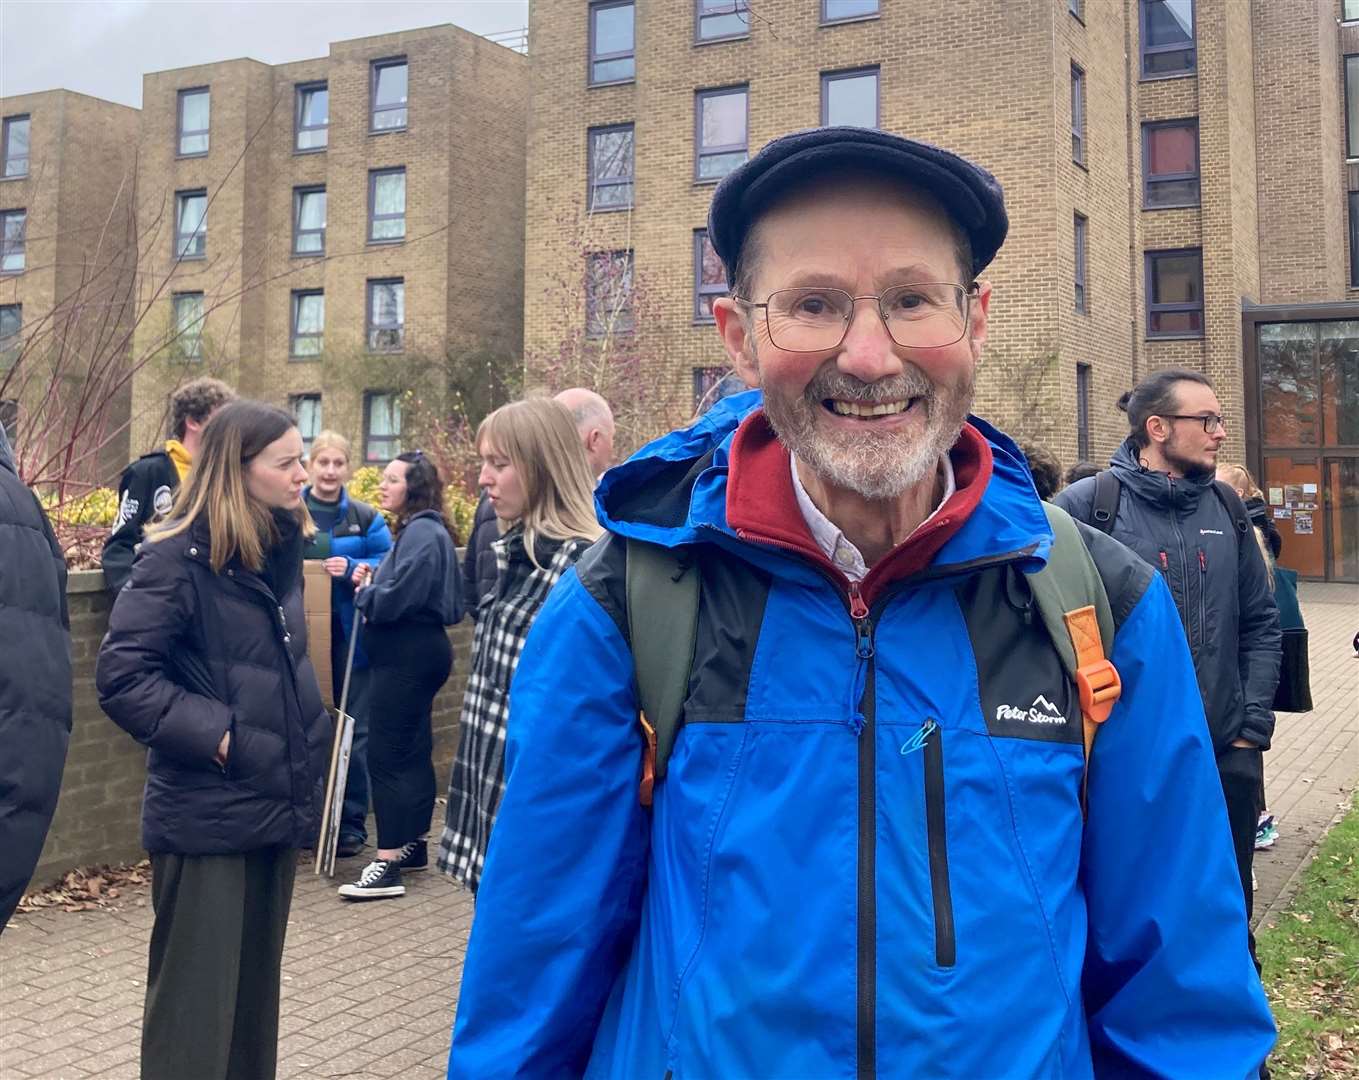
[(349, 846), (380, 879), (414, 856)]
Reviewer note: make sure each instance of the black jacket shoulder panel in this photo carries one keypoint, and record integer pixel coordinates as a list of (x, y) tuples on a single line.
[(663, 498), (1125, 574), (603, 570)]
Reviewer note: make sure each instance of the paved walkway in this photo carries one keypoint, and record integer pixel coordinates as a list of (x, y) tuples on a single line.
[(368, 990)]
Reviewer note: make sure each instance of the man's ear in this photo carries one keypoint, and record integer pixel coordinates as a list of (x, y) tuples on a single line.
[(981, 312), (731, 326), (1158, 431)]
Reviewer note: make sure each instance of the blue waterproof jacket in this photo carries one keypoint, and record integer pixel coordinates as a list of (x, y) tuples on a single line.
[(349, 539), (867, 857)]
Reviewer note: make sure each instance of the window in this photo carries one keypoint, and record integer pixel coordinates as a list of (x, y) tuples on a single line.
[(381, 426), (306, 410), (1082, 412), (611, 42), (1170, 164), (1077, 115), (191, 224), (1077, 8), (194, 108), (9, 419), (386, 205), (188, 327), (718, 19), (11, 322), (1082, 226), (850, 98), (1167, 38), (608, 293), (1354, 239), (1350, 11), (13, 226), (712, 384), (710, 278), (14, 150), (1352, 107), (309, 221), (836, 10), (720, 132), (387, 315), (309, 320), (1175, 293), (389, 94), (311, 123), (611, 157)]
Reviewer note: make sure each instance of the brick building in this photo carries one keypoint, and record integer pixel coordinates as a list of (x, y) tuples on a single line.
[(1172, 168), (65, 261), (307, 227)]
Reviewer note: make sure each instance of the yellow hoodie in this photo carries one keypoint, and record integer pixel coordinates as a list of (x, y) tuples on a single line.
[(179, 456)]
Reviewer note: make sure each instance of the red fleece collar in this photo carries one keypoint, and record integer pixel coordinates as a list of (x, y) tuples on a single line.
[(762, 507)]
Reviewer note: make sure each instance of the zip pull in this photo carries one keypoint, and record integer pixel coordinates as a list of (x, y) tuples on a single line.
[(1165, 562), (918, 740), (858, 610), (1203, 562)]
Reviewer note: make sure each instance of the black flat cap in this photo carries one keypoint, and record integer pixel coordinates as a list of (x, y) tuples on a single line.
[(970, 194)]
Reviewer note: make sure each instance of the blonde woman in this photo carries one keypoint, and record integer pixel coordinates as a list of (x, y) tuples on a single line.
[(535, 473), (206, 664), (1266, 532)]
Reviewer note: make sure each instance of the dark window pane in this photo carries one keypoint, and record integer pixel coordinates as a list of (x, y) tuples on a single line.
[(1338, 358), (389, 96), (613, 70), (608, 293), (1173, 193), (613, 29), (847, 9), (716, 166), (722, 18), (1287, 352), (1167, 63), (16, 146), (1169, 22), (1176, 279), (316, 107), (1354, 238), (1177, 322), (852, 100), (1352, 106), (1172, 150)]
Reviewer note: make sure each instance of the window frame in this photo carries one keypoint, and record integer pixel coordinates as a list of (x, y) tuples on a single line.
[(1078, 126), (1351, 152), (298, 194), (593, 57), (1148, 181), (1080, 229), (702, 317), (726, 148), (182, 335), (294, 335), (592, 184), (1076, 8), (5, 250), (180, 133), (180, 196), (1083, 378), (11, 345), (1352, 201), (368, 396), (294, 400), (738, 7), (828, 77), (370, 287), (373, 217), (625, 311), (828, 20), (374, 66), (5, 157), (1149, 259), (299, 98), (1144, 50), (1351, 6)]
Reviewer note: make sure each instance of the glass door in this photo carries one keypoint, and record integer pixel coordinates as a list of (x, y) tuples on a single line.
[(1291, 486), (1342, 519)]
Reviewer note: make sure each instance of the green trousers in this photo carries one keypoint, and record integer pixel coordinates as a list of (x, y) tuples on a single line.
[(216, 950)]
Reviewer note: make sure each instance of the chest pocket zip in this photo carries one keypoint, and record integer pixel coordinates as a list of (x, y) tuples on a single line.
[(945, 938)]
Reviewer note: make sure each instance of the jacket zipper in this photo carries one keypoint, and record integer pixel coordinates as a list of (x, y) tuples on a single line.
[(866, 1028), (1184, 560), (1203, 605), (945, 938)]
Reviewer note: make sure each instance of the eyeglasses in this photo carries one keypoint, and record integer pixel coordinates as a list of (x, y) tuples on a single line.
[(1211, 423), (919, 315)]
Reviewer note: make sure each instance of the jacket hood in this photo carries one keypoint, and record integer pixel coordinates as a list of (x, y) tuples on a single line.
[(1156, 487), (6, 452), (673, 491)]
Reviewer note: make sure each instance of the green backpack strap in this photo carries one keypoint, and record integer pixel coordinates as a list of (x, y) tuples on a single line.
[(1074, 607), (662, 600)]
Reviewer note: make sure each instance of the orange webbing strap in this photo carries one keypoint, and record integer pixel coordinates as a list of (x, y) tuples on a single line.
[(1097, 680), (648, 782)]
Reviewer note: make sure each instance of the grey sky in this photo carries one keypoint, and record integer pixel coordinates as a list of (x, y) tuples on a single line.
[(103, 47)]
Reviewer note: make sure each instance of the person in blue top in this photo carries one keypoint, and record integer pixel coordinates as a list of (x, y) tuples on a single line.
[(867, 857), (349, 534)]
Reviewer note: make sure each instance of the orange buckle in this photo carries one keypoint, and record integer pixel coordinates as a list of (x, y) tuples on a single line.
[(648, 781), (1099, 687)]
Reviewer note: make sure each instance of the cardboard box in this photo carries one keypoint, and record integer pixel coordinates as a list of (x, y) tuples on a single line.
[(316, 599)]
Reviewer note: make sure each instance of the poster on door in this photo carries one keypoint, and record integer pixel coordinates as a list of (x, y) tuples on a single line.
[(1302, 522)]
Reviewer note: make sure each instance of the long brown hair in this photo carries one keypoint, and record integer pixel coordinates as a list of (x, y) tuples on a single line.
[(239, 524), (540, 438)]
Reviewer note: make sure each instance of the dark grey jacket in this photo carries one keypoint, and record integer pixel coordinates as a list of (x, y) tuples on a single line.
[(1219, 582), (191, 654), (418, 580), (35, 680), (479, 565)]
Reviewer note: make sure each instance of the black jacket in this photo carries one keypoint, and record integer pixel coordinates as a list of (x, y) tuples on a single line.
[(35, 680), (478, 568), (191, 654), (1261, 519), (418, 580), (1219, 582), (145, 493)]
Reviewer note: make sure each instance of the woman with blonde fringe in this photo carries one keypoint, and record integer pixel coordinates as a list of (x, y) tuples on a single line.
[(205, 663), (535, 472)]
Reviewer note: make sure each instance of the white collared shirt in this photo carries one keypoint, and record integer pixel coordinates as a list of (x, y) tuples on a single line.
[(832, 542)]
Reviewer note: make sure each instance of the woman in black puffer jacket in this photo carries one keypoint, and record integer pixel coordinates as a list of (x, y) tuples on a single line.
[(205, 663)]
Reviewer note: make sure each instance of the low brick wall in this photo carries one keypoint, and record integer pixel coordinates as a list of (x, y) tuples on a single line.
[(98, 816)]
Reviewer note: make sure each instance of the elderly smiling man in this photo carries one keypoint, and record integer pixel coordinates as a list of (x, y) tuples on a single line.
[(864, 854)]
